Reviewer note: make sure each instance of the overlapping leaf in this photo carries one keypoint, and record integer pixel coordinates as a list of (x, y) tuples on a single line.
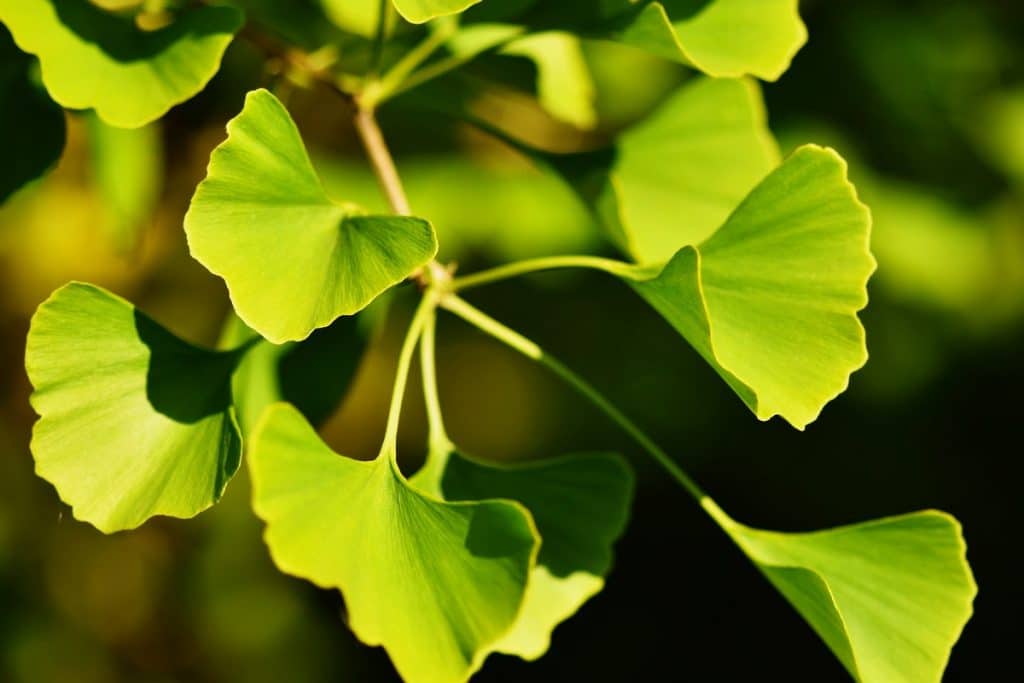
[(31, 124), (293, 259), (92, 59), (422, 11), (133, 421), (435, 583), (889, 597), (677, 175), (580, 505), (770, 300)]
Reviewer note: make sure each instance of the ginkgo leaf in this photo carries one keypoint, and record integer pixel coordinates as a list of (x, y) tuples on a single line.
[(313, 375), (719, 37), (293, 259), (93, 59), (580, 505), (31, 124), (889, 597), (564, 86), (134, 422), (435, 583), (422, 11), (770, 300), (678, 174)]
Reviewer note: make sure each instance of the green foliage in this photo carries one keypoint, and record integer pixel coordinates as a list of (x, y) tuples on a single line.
[(133, 421), (336, 259), (860, 587), (92, 59), (761, 266)]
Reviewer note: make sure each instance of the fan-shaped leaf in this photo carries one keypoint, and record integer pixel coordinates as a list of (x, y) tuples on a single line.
[(580, 505), (889, 597), (31, 124), (435, 583), (293, 259), (92, 59), (133, 421), (771, 299), (422, 11)]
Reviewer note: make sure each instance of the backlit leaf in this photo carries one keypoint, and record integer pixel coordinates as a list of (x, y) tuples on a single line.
[(93, 59), (133, 421), (889, 597), (435, 583), (580, 505), (422, 11), (293, 259), (770, 300)]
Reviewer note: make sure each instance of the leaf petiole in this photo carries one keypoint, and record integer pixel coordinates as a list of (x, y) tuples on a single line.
[(531, 350), (517, 268)]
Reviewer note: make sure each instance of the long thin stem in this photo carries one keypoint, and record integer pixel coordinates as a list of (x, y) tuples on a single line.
[(547, 263), (379, 90), (381, 160), (531, 350), (383, 10), (431, 398), (423, 312)]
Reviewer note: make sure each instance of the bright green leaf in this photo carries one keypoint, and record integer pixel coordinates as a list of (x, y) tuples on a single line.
[(127, 166), (422, 11), (580, 505), (679, 173), (92, 59), (889, 597), (564, 85), (770, 300), (435, 583), (719, 37), (293, 259), (133, 421), (31, 124)]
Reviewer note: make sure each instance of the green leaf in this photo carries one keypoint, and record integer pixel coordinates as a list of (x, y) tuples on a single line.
[(31, 124), (422, 11), (127, 166), (771, 299), (564, 86), (92, 59), (889, 597), (678, 174), (313, 375), (133, 421), (435, 583), (580, 505), (293, 259)]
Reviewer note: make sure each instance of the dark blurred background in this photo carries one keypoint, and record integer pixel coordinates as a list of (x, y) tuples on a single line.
[(925, 99)]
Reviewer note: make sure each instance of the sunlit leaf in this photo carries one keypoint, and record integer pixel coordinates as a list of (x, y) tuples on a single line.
[(435, 583), (31, 124), (678, 174), (421, 11), (133, 421), (564, 86), (580, 505), (770, 300), (293, 259), (889, 597), (93, 59), (127, 168)]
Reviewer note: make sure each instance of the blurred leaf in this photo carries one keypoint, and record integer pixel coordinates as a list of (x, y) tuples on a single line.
[(889, 597), (564, 86), (1000, 128), (356, 16), (435, 583), (31, 124), (678, 174), (127, 165), (422, 11), (133, 421), (755, 301), (293, 259), (92, 59), (580, 505)]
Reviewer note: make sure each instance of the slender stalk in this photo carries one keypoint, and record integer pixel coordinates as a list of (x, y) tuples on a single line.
[(381, 160), (533, 265), (379, 90), (383, 10), (423, 312), (531, 350), (431, 398)]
